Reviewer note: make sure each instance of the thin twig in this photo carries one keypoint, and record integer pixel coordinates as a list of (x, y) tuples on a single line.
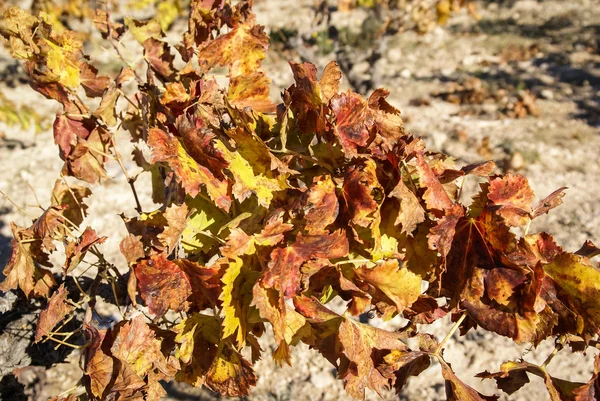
[(450, 333), (130, 180), (20, 209)]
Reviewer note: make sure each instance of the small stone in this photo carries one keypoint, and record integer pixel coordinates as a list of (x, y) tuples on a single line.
[(394, 55), (405, 73), (547, 94), (517, 161), (361, 68), (321, 379)]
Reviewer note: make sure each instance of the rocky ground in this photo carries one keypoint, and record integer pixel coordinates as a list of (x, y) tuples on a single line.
[(462, 87)]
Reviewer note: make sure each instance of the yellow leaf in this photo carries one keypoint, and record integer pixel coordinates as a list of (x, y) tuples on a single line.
[(203, 225), (231, 318), (230, 374), (246, 182), (66, 69)]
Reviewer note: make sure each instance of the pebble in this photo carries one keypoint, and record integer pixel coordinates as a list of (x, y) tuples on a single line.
[(517, 161), (405, 73), (394, 55), (547, 94), (321, 379)]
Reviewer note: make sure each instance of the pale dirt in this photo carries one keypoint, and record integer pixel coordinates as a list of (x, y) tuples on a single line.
[(558, 148)]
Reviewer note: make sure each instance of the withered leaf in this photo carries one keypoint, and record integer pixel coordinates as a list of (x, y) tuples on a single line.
[(72, 196), (75, 251), (162, 285), (548, 203), (411, 212), (242, 50), (56, 310), (514, 375), (283, 272), (135, 344), (511, 197), (435, 195), (167, 148), (132, 248), (320, 204), (456, 390), (23, 269), (177, 217), (401, 286), (352, 121)]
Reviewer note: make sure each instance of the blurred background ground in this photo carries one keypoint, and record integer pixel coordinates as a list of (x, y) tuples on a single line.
[(520, 86)]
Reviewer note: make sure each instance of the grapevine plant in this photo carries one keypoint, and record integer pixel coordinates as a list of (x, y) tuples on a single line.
[(269, 214)]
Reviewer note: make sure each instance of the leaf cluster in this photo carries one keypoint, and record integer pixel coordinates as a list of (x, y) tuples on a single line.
[(268, 215)]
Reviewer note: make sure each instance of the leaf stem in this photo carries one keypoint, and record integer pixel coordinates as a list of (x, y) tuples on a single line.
[(450, 333)]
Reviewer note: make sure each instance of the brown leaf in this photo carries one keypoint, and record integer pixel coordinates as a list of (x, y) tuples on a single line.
[(72, 196), (435, 195), (400, 365), (132, 248), (548, 203), (23, 269), (391, 284), (135, 344), (159, 57), (192, 175), (353, 121), (456, 390), (162, 285), (56, 310), (330, 81), (252, 91), (579, 283), (359, 190), (75, 251), (588, 250), (93, 84), (320, 204), (205, 282), (106, 110), (514, 375), (176, 216), (48, 226), (242, 50), (283, 272), (511, 197), (411, 213)]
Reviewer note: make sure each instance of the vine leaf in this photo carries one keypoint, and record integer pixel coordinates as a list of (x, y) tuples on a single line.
[(247, 182), (353, 121), (579, 283), (456, 390), (167, 148), (237, 296), (176, 216), (135, 343), (242, 50), (411, 213), (72, 197), (511, 197), (24, 268), (56, 310), (549, 202), (320, 204), (283, 271), (357, 342), (391, 284), (514, 375), (162, 285), (209, 360), (76, 250)]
